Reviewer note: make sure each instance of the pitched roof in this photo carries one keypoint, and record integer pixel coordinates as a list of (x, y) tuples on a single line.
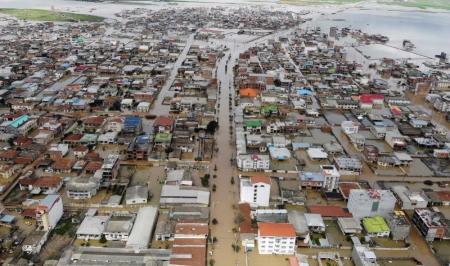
[(163, 121), (260, 179), (93, 165), (45, 181), (276, 229), (63, 164), (369, 98), (248, 92), (188, 255), (443, 195), (245, 225), (329, 211), (94, 120)]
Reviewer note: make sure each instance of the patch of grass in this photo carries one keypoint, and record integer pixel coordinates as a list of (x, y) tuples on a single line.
[(65, 227), (48, 15), (422, 4)]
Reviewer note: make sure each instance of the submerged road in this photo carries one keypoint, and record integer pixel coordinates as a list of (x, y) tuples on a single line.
[(158, 108)]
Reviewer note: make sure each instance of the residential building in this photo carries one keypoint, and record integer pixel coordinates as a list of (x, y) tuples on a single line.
[(92, 226), (256, 191), (399, 225), (349, 127), (45, 185), (298, 220), (331, 175), (83, 187), (119, 225), (348, 166), (139, 148), (163, 124), (431, 223), (410, 200), (48, 212), (370, 202), (136, 195), (371, 153), (276, 238), (254, 162), (376, 226), (110, 167), (349, 225), (132, 124), (363, 256), (315, 222)]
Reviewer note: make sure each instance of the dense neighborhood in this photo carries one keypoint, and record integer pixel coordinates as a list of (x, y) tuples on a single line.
[(219, 136)]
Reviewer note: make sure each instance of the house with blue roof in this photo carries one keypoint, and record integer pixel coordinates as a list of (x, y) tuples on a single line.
[(304, 91), (132, 124), (21, 125)]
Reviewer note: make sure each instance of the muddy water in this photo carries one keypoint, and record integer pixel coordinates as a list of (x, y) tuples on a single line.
[(227, 195)]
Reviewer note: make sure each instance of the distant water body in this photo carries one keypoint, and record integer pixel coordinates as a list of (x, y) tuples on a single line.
[(428, 31)]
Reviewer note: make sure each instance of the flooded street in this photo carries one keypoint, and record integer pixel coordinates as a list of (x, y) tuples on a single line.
[(158, 107), (295, 135)]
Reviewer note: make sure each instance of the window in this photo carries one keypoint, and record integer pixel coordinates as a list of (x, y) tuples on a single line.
[(375, 206)]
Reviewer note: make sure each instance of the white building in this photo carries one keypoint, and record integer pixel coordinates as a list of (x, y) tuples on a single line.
[(315, 222), (136, 195), (370, 202), (349, 127), (143, 107), (184, 195), (92, 227), (410, 200), (331, 177), (276, 238), (363, 256), (143, 228), (254, 162), (49, 212), (107, 138), (118, 226), (256, 191)]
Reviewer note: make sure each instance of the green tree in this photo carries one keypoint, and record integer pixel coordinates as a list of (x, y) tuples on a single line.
[(102, 239), (212, 127)]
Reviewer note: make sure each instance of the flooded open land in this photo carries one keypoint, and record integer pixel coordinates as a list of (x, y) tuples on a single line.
[(224, 133)]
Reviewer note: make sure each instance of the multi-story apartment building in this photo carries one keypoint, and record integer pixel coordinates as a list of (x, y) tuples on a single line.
[(254, 162), (399, 225), (49, 212), (276, 238), (256, 191), (431, 224), (110, 167), (370, 202)]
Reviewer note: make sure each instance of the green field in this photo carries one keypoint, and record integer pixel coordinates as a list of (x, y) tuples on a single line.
[(319, 2), (47, 15), (422, 4)]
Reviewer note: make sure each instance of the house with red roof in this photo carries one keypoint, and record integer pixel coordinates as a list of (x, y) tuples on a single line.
[(276, 238), (164, 124), (369, 101), (93, 123), (329, 211), (41, 185)]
